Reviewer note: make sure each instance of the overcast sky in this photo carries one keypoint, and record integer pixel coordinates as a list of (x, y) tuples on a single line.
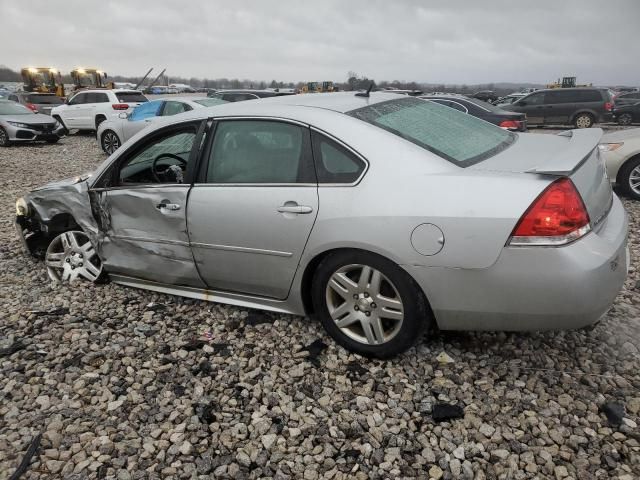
[(473, 41)]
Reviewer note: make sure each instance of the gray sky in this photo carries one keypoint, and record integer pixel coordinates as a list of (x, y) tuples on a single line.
[(471, 41)]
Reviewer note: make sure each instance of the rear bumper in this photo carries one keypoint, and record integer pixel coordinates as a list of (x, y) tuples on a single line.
[(534, 288)]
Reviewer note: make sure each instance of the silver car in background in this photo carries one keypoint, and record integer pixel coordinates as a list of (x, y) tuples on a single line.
[(20, 124), (114, 132), (379, 214), (38, 102)]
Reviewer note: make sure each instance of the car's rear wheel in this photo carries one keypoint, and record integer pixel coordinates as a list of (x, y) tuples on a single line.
[(628, 178), (368, 304), (71, 256), (110, 142), (583, 120), (625, 119), (4, 138)]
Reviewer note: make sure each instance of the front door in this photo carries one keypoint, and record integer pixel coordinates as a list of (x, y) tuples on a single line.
[(142, 208), (534, 106), (253, 208), (72, 114)]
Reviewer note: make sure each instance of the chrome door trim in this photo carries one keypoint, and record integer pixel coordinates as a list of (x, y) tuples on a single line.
[(140, 186), (233, 248), (150, 240), (255, 185)]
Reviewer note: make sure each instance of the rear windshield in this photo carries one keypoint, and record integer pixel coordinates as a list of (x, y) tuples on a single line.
[(462, 139), (131, 97), (210, 102), (45, 99)]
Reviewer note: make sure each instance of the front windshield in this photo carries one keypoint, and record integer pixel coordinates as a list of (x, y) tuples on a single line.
[(210, 102), (12, 108), (459, 138)]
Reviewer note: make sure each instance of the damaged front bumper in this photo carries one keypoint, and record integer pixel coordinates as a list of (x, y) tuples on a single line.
[(31, 238)]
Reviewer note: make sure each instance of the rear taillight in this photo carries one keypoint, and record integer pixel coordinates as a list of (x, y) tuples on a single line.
[(32, 107), (557, 217), (120, 106), (608, 106), (510, 124)]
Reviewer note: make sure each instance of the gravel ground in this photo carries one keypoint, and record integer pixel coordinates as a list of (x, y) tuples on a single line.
[(126, 384)]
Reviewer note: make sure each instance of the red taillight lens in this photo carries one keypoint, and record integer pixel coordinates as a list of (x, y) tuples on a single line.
[(119, 106), (608, 106), (510, 124), (557, 217), (32, 107)]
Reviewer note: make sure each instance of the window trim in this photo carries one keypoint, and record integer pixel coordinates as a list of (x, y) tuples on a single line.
[(200, 176), (349, 149), (466, 110)]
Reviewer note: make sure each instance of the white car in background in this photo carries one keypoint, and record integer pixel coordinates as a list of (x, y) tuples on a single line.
[(87, 109), (621, 152), (114, 132)]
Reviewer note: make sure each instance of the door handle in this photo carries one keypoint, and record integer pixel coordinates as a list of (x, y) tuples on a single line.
[(168, 206), (295, 209)]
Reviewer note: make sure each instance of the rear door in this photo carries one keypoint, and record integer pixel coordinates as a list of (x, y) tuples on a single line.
[(253, 208)]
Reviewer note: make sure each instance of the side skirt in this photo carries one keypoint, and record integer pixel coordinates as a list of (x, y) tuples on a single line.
[(237, 299)]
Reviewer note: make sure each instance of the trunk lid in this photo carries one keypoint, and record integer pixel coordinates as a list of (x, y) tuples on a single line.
[(573, 154)]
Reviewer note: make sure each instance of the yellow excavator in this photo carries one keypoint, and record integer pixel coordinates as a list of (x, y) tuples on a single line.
[(567, 82), (89, 78), (319, 87), (42, 80)]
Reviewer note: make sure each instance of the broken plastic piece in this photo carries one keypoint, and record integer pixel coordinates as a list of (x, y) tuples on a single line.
[(444, 358), (443, 411), (614, 413)]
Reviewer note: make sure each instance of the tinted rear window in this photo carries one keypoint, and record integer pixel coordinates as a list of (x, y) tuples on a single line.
[(131, 97), (588, 95), (462, 139), (44, 99)]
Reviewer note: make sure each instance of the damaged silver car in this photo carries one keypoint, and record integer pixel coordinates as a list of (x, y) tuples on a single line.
[(379, 214)]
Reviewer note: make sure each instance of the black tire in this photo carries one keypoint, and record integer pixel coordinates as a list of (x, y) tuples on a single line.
[(109, 142), (65, 130), (583, 120), (625, 119), (4, 138), (623, 180), (52, 140), (417, 313), (99, 120)]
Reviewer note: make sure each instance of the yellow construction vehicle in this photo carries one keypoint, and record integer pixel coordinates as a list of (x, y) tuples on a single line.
[(319, 87), (567, 82), (89, 78), (42, 80)]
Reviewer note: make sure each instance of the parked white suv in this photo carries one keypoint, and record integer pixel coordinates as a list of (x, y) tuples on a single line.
[(89, 108)]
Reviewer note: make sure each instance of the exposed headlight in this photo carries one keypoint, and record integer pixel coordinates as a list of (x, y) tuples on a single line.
[(18, 124), (609, 147), (22, 209)]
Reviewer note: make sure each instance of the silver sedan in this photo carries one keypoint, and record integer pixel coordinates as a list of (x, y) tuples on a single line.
[(378, 214), (20, 124)]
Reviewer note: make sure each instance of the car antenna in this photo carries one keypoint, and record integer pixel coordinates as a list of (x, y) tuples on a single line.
[(365, 94)]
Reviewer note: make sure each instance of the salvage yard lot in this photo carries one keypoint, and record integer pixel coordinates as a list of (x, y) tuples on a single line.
[(124, 383)]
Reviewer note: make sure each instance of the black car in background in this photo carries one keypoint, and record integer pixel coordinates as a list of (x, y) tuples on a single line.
[(628, 98), (627, 114), (483, 110), (581, 106), (486, 96), (241, 95)]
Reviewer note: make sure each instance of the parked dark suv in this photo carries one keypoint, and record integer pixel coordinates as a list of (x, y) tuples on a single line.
[(581, 107)]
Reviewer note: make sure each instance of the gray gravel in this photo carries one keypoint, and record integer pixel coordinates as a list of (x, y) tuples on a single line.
[(129, 384)]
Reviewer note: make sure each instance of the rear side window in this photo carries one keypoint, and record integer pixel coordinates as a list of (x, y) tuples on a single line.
[(588, 96), (97, 97), (131, 97), (334, 163), (257, 151), (45, 99), (461, 139)]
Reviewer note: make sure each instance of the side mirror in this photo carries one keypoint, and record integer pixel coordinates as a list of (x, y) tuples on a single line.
[(123, 115)]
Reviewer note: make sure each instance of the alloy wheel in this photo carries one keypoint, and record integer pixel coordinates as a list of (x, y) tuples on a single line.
[(583, 121), (110, 142), (364, 304), (625, 119), (4, 138), (71, 256), (634, 180)]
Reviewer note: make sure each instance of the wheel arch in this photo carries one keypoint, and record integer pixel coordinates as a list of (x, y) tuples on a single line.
[(98, 117), (621, 168), (589, 112), (312, 265)]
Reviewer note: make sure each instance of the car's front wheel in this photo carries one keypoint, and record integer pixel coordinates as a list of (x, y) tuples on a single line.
[(628, 178), (110, 142), (71, 256), (625, 119), (584, 120), (4, 138), (368, 304)]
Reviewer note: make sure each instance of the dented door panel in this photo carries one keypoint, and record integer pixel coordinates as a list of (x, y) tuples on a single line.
[(146, 235)]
